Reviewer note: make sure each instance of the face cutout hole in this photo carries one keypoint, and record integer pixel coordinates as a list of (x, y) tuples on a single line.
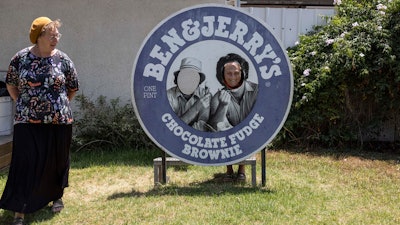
[(188, 80)]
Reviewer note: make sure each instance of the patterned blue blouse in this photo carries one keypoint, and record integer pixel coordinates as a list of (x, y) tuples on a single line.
[(43, 84)]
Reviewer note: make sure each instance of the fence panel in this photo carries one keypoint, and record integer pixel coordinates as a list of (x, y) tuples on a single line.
[(288, 24)]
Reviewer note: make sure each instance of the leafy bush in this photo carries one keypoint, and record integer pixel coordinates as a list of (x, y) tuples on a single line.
[(107, 124), (346, 76)]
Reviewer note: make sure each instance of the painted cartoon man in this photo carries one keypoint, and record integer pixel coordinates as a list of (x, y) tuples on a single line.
[(189, 99)]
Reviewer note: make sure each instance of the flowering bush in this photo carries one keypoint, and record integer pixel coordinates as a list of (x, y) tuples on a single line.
[(346, 75)]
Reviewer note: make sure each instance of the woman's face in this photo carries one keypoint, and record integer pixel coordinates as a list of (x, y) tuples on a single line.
[(232, 74), (50, 38)]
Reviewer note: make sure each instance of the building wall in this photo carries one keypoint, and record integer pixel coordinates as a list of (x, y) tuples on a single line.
[(102, 37), (287, 24), (289, 3)]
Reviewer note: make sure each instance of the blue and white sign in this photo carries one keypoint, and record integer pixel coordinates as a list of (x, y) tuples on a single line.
[(211, 85)]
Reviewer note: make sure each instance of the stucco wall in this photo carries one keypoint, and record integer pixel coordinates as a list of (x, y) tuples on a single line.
[(102, 37)]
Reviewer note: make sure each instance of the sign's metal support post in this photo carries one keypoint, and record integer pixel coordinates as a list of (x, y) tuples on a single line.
[(164, 168), (263, 168)]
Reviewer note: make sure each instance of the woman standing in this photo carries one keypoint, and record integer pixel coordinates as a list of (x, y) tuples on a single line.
[(233, 102), (42, 81)]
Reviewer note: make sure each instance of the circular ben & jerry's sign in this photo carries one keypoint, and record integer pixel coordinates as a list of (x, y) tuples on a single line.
[(211, 85)]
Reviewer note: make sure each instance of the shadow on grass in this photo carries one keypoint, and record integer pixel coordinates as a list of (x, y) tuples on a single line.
[(134, 157), (130, 157), (42, 215), (381, 154), (212, 187)]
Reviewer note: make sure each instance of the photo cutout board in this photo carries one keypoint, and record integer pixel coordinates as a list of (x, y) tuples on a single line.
[(211, 85)]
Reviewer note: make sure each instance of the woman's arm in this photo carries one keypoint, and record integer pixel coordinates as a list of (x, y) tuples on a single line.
[(13, 91), (71, 94), (219, 108)]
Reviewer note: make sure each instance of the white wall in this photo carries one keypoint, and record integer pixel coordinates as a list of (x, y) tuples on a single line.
[(288, 23), (102, 37)]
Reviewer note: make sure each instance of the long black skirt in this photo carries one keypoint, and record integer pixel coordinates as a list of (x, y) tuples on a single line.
[(39, 166)]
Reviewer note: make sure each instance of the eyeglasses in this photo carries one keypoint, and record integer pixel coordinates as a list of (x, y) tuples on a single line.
[(55, 36)]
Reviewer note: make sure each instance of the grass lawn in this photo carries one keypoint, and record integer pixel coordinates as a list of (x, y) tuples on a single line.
[(326, 187)]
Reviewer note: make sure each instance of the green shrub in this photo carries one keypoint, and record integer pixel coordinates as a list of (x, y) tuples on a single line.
[(107, 124), (346, 76)]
